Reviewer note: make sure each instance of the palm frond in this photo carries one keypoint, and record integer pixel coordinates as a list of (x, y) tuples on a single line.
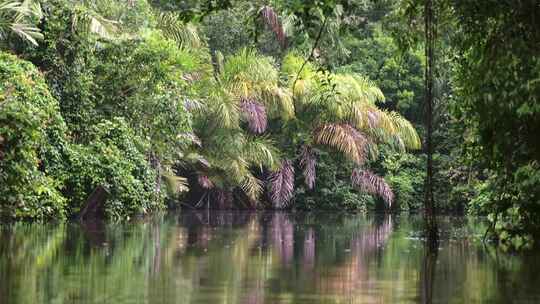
[(369, 182), (175, 184), (223, 109), (220, 61), (89, 21), (172, 27), (255, 115), (308, 162), (271, 19), (190, 159), (282, 102), (237, 169), (192, 104), (288, 24), (356, 88), (261, 152), (205, 182), (190, 137), (253, 187), (346, 139), (19, 17), (248, 74), (282, 185), (304, 82), (405, 131)]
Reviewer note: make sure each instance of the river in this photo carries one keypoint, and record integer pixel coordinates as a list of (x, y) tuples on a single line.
[(260, 257)]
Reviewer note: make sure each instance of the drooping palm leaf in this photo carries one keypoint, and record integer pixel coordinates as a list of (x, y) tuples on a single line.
[(308, 162), (405, 131), (281, 103), (253, 187), (260, 152), (356, 88), (205, 182), (373, 184), (346, 139), (175, 184), (172, 27), (255, 115), (271, 18), (282, 185), (87, 20), (250, 76), (19, 17)]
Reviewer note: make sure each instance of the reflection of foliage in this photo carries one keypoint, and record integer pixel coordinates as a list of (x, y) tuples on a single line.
[(234, 257)]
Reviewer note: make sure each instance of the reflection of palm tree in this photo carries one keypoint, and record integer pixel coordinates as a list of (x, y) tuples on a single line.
[(345, 279), (282, 236), (309, 250)]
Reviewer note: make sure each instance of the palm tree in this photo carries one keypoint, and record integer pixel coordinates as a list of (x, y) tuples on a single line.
[(339, 111), (230, 153), (238, 145), (19, 17)]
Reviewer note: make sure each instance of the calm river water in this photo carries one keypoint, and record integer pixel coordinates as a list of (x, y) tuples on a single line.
[(254, 258)]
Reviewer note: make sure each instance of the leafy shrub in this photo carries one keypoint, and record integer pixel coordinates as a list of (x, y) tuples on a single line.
[(32, 139), (146, 82), (405, 174), (333, 189), (113, 159), (513, 208)]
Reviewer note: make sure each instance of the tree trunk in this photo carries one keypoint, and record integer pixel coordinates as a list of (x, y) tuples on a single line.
[(156, 165), (428, 272), (95, 204), (429, 211)]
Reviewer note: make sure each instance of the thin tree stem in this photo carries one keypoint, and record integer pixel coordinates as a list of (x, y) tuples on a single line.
[(317, 39)]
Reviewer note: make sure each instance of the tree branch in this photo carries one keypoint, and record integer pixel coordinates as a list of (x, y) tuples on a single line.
[(319, 35)]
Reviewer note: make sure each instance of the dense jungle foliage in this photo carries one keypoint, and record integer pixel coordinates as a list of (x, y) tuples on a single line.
[(269, 104)]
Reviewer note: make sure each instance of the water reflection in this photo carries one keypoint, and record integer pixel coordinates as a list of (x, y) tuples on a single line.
[(255, 258)]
